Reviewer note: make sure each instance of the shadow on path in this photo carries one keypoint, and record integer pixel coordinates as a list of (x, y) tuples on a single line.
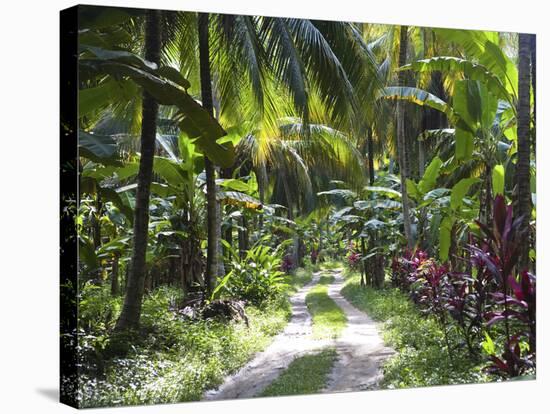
[(360, 350)]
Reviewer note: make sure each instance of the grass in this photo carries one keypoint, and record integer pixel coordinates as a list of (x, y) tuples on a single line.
[(174, 360), (305, 375), (328, 319), (300, 277), (331, 264), (421, 358)]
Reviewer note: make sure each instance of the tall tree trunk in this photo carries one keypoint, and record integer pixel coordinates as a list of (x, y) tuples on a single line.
[(423, 215), (131, 310), (224, 173), (211, 205), (261, 177), (533, 46), (524, 148), (290, 215), (401, 140), (370, 150), (97, 221), (228, 233), (488, 193), (534, 125), (364, 267), (243, 237)]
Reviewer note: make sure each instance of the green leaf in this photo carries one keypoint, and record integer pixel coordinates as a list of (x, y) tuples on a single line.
[(234, 184), (96, 17), (488, 345), (384, 190), (129, 170), (464, 144), (374, 224), (174, 75), (86, 253), (430, 176), (412, 189), (498, 179), (192, 118), (459, 191), (417, 96), (484, 47), (108, 194), (445, 229), (92, 99), (98, 148), (340, 192), (100, 96), (474, 71), (118, 56), (474, 104), (222, 282), (171, 171)]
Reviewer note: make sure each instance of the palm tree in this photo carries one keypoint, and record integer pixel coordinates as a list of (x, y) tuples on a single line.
[(524, 149), (131, 310), (244, 59), (401, 144), (213, 222)]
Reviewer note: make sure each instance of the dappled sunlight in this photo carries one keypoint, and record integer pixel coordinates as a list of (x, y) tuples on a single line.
[(260, 197)]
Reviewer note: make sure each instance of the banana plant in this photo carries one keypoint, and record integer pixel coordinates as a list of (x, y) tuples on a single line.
[(372, 217)]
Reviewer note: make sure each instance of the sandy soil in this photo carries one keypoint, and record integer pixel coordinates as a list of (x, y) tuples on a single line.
[(360, 348)]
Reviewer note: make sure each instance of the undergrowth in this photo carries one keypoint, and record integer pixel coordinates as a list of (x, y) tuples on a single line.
[(173, 359), (421, 357)]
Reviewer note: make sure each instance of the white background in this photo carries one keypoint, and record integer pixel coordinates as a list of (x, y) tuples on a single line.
[(29, 195)]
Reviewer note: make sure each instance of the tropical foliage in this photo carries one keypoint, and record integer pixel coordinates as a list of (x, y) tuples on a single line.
[(222, 158)]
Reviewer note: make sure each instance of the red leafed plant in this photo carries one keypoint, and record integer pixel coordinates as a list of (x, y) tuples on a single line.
[(354, 258), (513, 304), (287, 264)]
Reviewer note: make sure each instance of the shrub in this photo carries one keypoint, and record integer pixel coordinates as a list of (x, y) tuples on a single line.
[(421, 358), (256, 278), (287, 264), (174, 359), (354, 260), (491, 301)]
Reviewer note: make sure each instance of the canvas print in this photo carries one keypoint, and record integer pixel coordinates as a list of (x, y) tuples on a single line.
[(258, 206)]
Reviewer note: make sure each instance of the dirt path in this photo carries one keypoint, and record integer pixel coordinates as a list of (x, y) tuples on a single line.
[(360, 350), (266, 366)]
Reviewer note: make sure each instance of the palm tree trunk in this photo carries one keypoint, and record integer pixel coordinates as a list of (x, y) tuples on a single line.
[(364, 267), (290, 215), (228, 233), (97, 222), (524, 148), (243, 237), (211, 208), (533, 46), (370, 150), (423, 215), (261, 175), (131, 310), (401, 146)]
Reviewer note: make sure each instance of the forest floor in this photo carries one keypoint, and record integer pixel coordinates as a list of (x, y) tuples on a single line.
[(360, 349)]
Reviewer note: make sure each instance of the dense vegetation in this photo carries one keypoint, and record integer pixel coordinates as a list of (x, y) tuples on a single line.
[(224, 158), (422, 358)]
